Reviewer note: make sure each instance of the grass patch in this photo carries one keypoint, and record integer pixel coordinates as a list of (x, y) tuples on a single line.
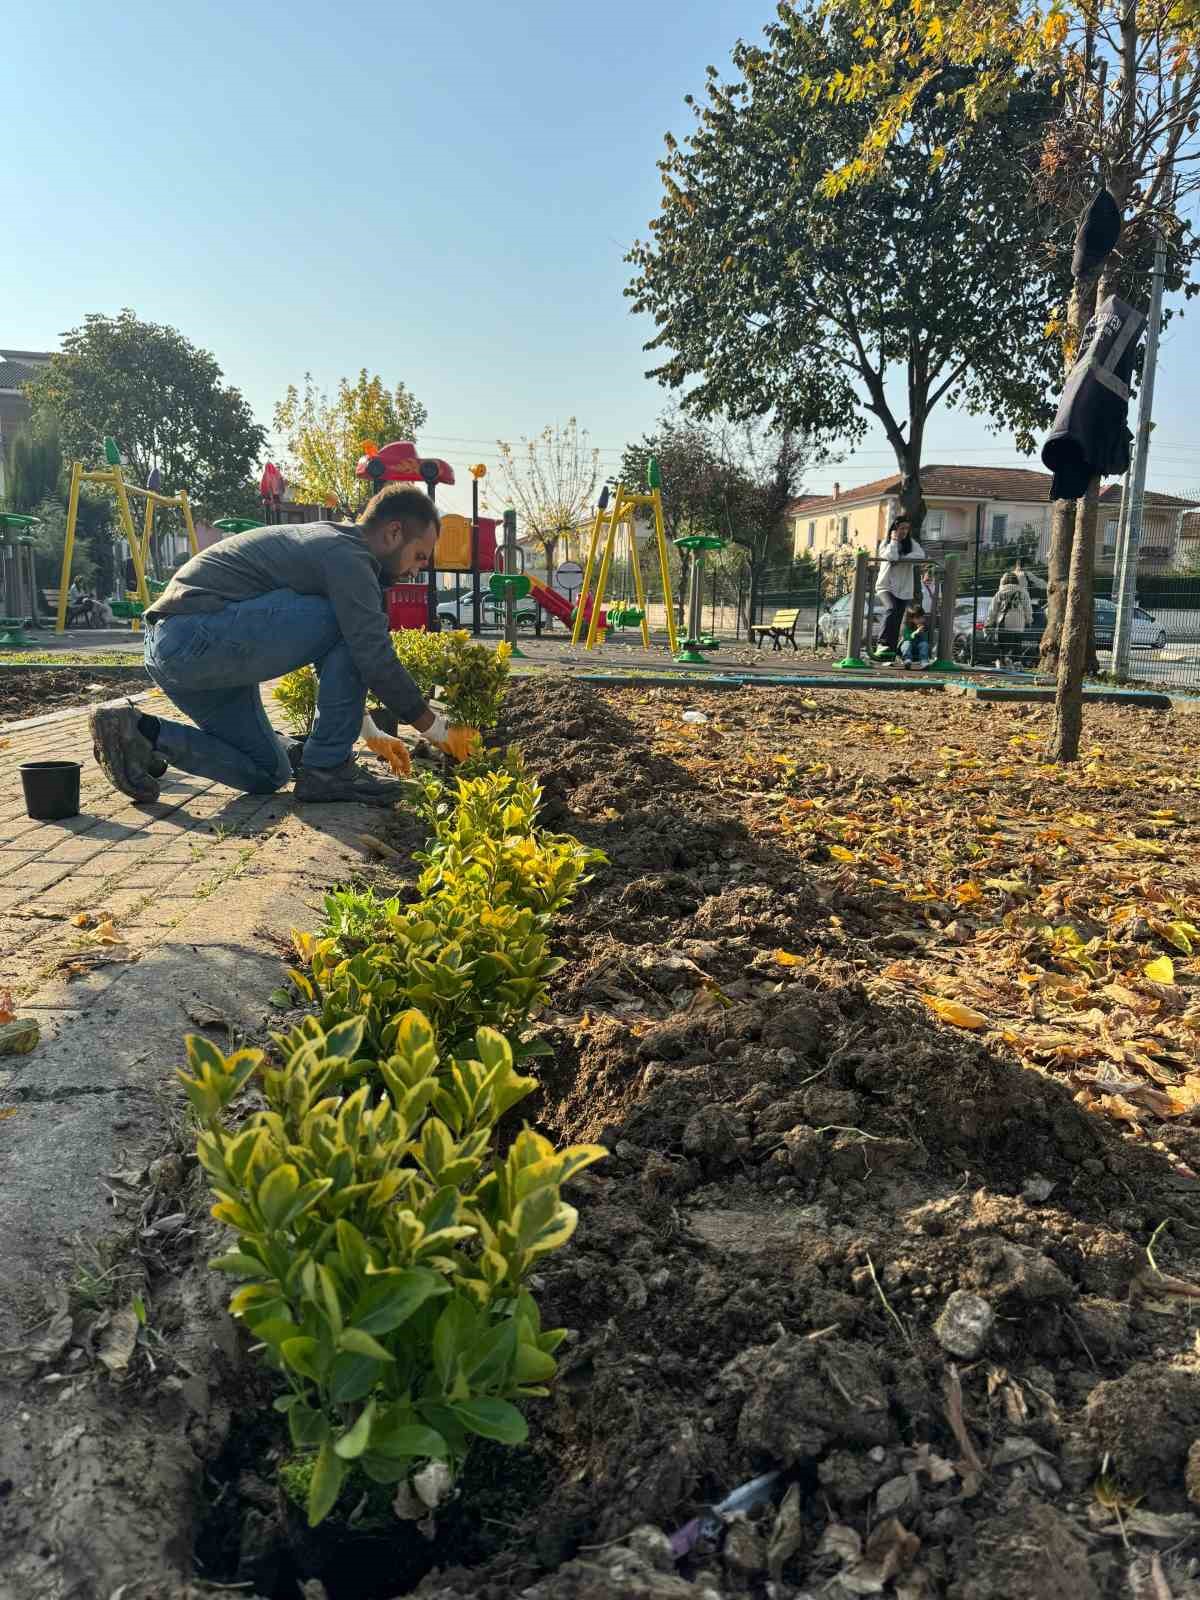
[(71, 658)]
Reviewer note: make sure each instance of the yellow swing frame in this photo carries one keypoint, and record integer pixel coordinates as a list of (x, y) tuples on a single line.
[(606, 526), (111, 478)]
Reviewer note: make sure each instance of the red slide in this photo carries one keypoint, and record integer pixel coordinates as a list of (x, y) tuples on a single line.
[(556, 604)]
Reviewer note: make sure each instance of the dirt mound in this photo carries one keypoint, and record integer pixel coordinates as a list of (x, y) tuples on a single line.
[(801, 1176)]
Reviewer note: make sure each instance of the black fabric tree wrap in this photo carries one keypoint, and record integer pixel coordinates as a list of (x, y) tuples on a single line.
[(1098, 233), (1090, 437)]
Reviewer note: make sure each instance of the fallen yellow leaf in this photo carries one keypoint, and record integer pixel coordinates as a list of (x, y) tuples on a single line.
[(840, 853), (1179, 934), (107, 934), (1160, 971), (958, 1016), (785, 958), (1115, 1105)]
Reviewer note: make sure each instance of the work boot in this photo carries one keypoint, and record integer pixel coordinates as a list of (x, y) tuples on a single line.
[(350, 781), (124, 753)]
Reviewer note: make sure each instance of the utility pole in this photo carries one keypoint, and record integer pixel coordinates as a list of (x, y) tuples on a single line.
[(1119, 543), (1126, 585)]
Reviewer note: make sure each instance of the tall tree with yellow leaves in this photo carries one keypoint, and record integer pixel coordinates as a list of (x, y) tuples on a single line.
[(1126, 75), (324, 437)]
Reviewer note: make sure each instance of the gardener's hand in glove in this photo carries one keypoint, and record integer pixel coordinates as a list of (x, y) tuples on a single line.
[(393, 751), (457, 742)]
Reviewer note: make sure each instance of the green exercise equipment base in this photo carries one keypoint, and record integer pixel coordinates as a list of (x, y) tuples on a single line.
[(502, 584)]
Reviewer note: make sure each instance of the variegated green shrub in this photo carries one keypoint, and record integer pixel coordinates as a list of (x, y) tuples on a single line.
[(384, 1247)]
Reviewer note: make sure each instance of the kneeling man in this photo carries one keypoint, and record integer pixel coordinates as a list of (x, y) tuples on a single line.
[(260, 604)]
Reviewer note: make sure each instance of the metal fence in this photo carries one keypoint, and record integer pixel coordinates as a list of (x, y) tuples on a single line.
[(1165, 635)]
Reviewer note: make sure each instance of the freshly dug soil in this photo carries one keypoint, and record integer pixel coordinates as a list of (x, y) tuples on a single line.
[(834, 1239), (804, 1169), (30, 694), (801, 1176)]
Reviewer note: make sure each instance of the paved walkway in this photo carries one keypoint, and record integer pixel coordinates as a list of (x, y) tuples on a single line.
[(202, 889), (142, 865)]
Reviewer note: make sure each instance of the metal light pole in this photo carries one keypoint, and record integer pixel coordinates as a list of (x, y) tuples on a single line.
[(1120, 542), (510, 567), (1127, 576), (477, 472), (433, 623)]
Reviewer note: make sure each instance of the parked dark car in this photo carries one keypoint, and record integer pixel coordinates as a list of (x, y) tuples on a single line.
[(1026, 647)]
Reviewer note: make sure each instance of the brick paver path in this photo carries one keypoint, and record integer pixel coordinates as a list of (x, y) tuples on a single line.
[(144, 866)]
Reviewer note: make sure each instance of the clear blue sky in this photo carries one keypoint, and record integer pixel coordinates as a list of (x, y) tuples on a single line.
[(442, 193)]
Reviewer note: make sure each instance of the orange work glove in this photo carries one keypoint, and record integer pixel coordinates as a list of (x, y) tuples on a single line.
[(459, 742), (393, 751)]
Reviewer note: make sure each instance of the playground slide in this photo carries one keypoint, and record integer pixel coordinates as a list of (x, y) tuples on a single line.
[(556, 604)]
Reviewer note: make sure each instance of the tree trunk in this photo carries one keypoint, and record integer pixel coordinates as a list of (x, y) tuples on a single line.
[(551, 547), (685, 575), (1080, 309), (1062, 541), (1058, 560), (1076, 631), (755, 588), (912, 500)]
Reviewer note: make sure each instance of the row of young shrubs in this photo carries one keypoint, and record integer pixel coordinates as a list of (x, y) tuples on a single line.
[(469, 679), (384, 1242)]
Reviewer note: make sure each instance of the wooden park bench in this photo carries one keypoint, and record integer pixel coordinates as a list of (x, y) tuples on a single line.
[(50, 601), (781, 626)]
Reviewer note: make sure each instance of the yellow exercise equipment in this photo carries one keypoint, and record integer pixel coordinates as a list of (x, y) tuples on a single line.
[(110, 477), (609, 522)]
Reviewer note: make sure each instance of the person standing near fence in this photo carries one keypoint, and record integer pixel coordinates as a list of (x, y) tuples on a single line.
[(896, 582), (1010, 614)]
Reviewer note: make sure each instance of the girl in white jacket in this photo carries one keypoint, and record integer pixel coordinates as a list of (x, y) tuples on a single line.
[(896, 582)]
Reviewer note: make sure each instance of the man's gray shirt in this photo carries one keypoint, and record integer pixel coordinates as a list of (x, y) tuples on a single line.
[(325, 558)]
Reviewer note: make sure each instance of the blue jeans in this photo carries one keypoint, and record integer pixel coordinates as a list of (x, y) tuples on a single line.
[(210, 665), (915, 649)]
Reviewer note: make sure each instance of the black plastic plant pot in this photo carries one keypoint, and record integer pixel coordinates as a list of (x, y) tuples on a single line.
[(51, 789)]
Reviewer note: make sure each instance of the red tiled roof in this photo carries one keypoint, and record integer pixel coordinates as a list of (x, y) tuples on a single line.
[(863, 493), (1112, 496), (1020, 484)]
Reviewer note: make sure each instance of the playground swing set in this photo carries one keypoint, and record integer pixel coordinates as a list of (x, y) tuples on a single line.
[(614, 535), (465, 546), (111, 477)]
